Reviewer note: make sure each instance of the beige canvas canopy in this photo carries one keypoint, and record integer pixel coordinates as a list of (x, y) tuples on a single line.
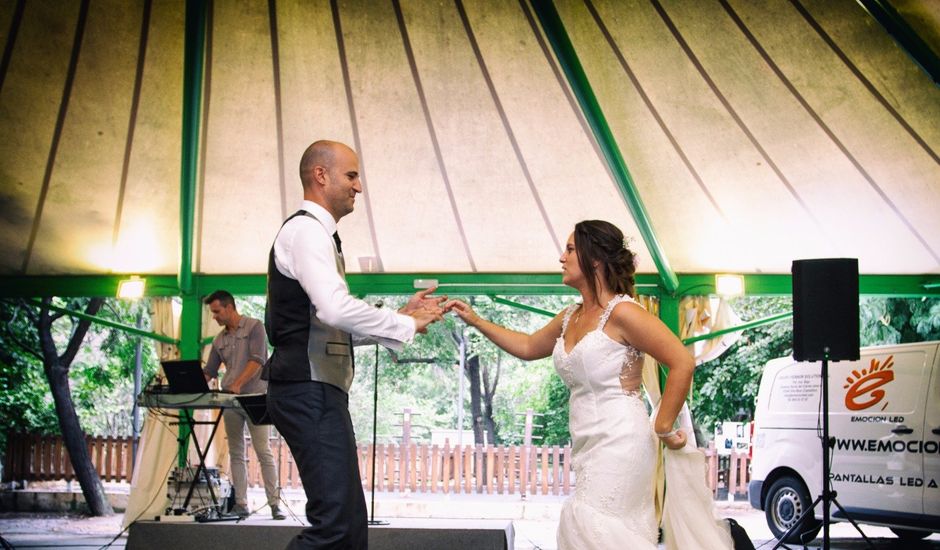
[(755, 133)]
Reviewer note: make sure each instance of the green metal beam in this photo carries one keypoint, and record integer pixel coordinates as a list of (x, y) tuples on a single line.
[(466, 284), (523, 307), (31, 286), (905, 36), (899, 286), (568, 59), (130, 329), (193, 61), (745, 326)]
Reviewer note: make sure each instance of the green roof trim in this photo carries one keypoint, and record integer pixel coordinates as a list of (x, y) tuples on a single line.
[(456, 284)]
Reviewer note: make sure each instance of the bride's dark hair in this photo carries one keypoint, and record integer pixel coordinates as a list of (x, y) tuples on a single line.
[(602, 242)]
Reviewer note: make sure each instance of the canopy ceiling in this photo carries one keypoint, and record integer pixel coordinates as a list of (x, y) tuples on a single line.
[(756, 133)]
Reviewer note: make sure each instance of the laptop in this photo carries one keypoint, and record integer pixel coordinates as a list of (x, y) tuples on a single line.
[(185, 376), (256, 406)]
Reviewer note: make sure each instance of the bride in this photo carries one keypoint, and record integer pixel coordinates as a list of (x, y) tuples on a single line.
[(598, 347)]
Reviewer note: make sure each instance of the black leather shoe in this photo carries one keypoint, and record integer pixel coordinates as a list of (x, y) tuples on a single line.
[(276, 513)]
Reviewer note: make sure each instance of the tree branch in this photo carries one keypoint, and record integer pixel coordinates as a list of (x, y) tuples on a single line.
[(13, 337), (78, 335), (27, 310), (46, 343)]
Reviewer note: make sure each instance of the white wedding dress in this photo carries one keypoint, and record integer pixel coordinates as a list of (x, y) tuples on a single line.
[(615, 455)]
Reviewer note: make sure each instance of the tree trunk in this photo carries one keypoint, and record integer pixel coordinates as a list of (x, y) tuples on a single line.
[(56, 368), (476, 398), (489, 390)]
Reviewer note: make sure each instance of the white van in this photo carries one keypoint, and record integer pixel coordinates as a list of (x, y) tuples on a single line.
[(884, 418)]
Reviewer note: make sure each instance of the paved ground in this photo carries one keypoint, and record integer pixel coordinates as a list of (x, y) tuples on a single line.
[(534, 520)]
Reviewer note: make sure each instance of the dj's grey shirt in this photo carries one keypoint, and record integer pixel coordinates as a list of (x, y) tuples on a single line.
[(235, 348)]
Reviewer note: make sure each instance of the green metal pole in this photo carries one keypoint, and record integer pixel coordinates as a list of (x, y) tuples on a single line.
[(669, 314), (193, 64), (523, 307), (577, 79), (745, 326), (108, 323)]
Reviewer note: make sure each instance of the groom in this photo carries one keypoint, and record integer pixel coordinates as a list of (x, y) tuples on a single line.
[(311, 320)]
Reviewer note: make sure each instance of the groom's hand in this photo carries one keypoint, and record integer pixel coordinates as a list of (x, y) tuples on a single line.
[(424, 316), (420, 300)]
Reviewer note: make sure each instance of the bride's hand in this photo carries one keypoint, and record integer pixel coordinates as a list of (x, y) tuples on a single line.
[(463, 310), (675, 440)]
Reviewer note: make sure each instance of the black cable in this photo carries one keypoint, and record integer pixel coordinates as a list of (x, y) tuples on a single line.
[(149, 504)]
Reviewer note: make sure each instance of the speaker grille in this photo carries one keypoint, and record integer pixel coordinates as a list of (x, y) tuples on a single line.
[(825, 309)]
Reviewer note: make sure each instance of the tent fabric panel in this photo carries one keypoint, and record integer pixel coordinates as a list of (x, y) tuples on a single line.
[(502, 214), (884, 64), (667, 180), (241, 188), (734, 169), (719, 150), (150, 222), (29, 107), (313, 94), (804, 157), (568, 173), (82, 201), (907, 182), (409, 204)]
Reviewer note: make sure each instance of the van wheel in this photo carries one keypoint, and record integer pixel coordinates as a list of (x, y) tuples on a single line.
[(909, 534), (787, 499)]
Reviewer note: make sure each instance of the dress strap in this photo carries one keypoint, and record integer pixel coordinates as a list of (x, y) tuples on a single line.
[(564, 322), (610, 307)]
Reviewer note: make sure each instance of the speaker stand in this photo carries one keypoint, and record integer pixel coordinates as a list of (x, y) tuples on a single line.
[(828, 496), (375, 417)]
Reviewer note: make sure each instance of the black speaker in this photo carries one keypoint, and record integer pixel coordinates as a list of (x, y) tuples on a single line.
[(825, 309)]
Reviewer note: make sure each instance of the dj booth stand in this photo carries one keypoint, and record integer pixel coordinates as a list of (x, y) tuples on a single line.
[(187, 418), (188, 404)]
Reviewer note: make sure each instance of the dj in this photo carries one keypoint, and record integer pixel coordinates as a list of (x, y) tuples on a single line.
[(242, 348)]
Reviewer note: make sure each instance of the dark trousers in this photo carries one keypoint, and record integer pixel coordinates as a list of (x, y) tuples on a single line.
[(313, 418)]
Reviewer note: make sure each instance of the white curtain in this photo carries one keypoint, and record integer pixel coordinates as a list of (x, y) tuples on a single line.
[(158, 449), (699, 315), (217, 454), (689, 518)]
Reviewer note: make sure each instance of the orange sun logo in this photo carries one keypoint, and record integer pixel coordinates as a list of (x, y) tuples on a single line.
[(867, 384)]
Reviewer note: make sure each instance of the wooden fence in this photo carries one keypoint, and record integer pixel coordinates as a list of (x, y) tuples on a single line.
[(44, 458), (414, 468)]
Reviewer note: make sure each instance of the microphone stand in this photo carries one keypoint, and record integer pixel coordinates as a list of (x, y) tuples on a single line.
[(375, 423)]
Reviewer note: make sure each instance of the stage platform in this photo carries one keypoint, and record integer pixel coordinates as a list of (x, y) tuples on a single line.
[(400, 534)]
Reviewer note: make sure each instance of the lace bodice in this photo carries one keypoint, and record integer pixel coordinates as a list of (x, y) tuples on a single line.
[(611, 363)]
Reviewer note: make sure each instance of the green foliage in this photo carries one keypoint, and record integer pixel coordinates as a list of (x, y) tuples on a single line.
[(100, 377), (725, 388), (431, 389), (899, 320), (555, 410), (25, 401), (423, 376)]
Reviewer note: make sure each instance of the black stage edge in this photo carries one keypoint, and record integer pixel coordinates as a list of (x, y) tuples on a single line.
[(401, 534)]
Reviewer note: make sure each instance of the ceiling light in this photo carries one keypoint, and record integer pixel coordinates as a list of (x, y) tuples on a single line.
[(131, 289), (729, 285)]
